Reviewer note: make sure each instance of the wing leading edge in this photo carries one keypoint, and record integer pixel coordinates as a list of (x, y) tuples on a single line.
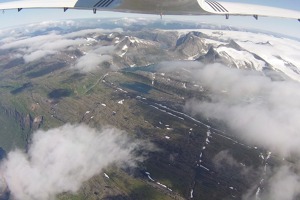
[(180, 7), (172, 7)]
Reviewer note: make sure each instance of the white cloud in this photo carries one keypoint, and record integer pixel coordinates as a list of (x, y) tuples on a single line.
[(257, 110), (36, 47), (91, 61), (84, 32), (283, 185), (31, 42), (61, 159), (224, 157), (37, 55), (61, 44)]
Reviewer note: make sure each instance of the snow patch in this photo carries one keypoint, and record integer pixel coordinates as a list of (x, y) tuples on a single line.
[(204, 167), (106, 176), (121, 101), (192, 194)]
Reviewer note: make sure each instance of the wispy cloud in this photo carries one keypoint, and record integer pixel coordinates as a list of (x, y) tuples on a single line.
[(84, 32), (36, 47), (94, 59), (284, 184), (91, 61), (61, 159), (257, 110), (37, 55)]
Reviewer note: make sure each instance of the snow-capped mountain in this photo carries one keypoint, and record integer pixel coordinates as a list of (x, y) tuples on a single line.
[(191, 45), (233, 55), (259, 51)]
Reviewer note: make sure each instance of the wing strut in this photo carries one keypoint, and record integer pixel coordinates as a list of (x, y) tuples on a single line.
[(65, 9), (256, 17), (19, 9)]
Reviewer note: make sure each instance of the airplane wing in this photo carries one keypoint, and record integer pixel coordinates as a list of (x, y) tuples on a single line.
[(135, 6), (229, 8), (166, 7)]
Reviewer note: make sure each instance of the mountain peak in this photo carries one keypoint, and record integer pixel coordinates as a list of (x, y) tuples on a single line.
[(210, 57)]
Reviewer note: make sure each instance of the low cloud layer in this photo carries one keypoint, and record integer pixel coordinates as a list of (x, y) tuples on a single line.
[(257, 110), (284, 184), (61, 159), (94, 59), (33, 48), (261, 111)]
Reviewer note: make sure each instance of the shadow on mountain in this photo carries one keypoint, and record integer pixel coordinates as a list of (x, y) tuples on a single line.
[(140, 87), (46, 70), (21, 89), (150, 68), (144, 192), (212, 56), (2, 154), (59, 93), (14, 63), (118, 197), (74, 77), (5, 196), (6, 87)]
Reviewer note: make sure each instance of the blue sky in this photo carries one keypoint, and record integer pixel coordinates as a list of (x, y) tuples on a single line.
[(285, 26)]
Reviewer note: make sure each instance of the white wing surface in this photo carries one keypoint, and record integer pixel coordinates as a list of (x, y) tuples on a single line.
[(135, 6), (228, 8), (171, 7)]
